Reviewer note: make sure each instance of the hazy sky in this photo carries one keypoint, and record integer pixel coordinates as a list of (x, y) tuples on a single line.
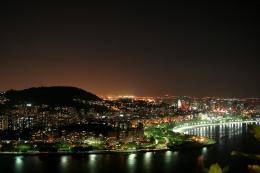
[(140, 49)]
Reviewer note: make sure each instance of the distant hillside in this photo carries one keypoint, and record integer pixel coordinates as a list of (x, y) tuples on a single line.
[(53, 96)]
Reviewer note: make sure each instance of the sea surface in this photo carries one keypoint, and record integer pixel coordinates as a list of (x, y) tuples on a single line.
[(228, 137)]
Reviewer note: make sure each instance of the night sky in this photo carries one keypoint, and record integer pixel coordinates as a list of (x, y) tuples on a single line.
[(145, 49)]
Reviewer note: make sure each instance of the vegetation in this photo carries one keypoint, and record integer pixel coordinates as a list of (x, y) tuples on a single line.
[(164, 137), (215, 168)]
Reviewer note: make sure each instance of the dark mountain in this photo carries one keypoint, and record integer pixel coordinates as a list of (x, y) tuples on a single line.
[(53, 96)]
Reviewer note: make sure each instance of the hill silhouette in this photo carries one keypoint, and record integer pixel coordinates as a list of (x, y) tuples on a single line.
[(52, 96)]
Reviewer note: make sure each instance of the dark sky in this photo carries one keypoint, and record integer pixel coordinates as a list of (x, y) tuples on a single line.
[(140, 48)]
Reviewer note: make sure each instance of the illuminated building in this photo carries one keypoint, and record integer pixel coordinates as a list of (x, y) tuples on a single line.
[(3, 122), (179, 104)]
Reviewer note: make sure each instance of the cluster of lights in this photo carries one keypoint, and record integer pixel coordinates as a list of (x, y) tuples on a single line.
[(148, 99), (198, 139), (120, 97), (220, 110)]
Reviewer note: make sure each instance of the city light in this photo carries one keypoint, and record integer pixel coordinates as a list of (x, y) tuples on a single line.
[(29, 105)]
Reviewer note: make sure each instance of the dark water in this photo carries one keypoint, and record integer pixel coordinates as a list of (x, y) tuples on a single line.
[(228, 138)]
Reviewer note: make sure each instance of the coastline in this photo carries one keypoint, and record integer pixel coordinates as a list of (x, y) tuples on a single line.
[(103, 151)]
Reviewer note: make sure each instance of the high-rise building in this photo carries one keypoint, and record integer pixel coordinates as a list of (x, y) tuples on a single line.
[(25, 122), (179, 104), (3, 122)]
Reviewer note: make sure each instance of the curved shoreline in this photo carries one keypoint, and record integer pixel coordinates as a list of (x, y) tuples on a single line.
[(102, 151), (183, 129), (82, 153), (179, 130)]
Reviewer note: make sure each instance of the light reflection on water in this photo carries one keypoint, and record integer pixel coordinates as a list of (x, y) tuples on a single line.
[(148, 158), (64, 160), (18, 160), (147, 161), (204, 150), (18, 163), (131, 162), (168, 156), (92, 158), (169, 161), (219, 131), (92, 162)]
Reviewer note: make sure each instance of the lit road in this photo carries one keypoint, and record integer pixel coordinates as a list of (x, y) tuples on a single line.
[(182, 129)]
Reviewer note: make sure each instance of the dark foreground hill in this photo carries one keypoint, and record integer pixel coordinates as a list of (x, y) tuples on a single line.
[(53, 96)]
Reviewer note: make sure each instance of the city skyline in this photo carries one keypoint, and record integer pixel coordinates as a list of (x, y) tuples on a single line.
[(207, 49), (131, 96), (138, 87)]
